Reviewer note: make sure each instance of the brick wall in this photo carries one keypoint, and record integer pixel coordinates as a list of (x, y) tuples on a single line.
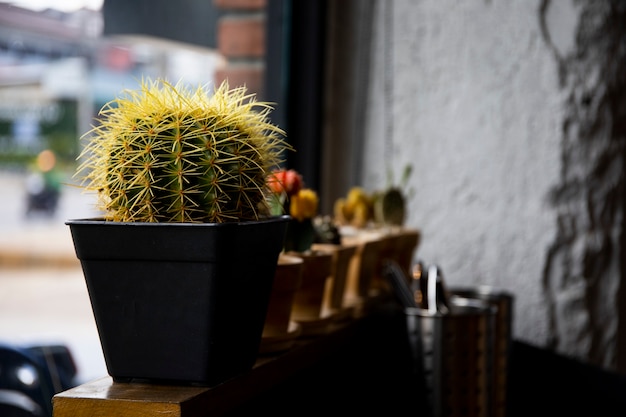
[(241, 39)]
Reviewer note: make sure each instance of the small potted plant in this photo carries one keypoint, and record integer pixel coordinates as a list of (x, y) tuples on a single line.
[(374, 223), (390, 205), (301, 203), (180, 268)]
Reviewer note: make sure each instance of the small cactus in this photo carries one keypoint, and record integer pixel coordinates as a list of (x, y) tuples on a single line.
[(167, 153), (390, 205), (356, 209)]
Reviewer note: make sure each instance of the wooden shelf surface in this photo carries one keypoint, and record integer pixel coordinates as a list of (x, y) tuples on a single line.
[(104, 397)]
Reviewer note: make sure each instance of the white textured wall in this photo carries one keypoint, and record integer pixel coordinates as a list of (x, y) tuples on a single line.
[(467, 91)]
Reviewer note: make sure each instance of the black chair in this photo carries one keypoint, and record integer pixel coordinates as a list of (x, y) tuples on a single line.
[(17, 404), (31, 376)]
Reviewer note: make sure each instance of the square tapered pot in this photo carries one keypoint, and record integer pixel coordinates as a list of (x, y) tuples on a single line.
[(179, 302)]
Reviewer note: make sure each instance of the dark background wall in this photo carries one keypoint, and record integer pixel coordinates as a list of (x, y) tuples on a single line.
[(191, 21)]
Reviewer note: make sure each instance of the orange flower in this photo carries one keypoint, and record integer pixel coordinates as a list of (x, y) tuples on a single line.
[(304, 204), (285, 181)]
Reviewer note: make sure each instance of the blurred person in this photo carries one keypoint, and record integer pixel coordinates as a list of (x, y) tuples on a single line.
[(43, 185)]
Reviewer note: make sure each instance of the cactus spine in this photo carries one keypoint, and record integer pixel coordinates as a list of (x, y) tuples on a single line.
[(167, 153)]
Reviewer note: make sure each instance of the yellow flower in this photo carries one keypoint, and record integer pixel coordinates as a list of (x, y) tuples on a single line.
[(304, 204)]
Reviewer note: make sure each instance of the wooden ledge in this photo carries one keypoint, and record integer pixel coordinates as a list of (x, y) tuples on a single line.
[(103, 397)]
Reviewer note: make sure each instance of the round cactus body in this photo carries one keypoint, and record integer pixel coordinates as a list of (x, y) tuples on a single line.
[(391, 207), (165, 153)]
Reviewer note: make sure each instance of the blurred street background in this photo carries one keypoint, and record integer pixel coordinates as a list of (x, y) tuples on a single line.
[(43, 297), (58, 67)]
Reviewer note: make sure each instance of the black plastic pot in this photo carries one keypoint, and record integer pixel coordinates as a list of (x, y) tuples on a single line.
[(178, 302)]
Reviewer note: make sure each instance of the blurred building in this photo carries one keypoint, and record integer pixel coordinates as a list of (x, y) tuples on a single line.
[(58, 69)]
